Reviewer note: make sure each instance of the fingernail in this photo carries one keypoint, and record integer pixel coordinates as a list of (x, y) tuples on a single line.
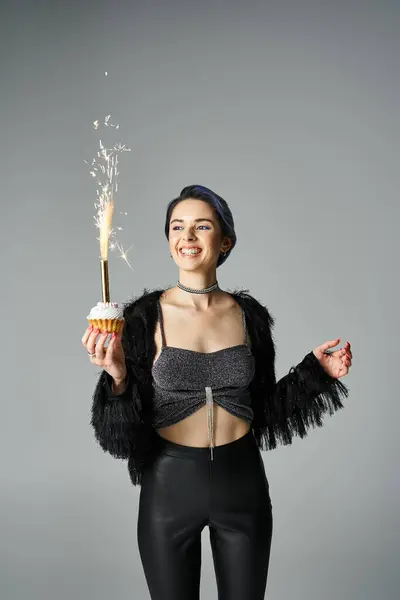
[(113, 335)]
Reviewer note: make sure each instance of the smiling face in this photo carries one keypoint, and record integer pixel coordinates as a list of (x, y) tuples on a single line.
[(194, 224)]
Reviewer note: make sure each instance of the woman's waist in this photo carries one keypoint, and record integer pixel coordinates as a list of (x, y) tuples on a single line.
[(193, 431)]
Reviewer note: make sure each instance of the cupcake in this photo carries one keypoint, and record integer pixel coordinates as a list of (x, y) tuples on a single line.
[(107, 316)]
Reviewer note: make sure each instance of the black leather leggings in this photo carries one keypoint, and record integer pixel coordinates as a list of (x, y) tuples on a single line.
[(182, 491)]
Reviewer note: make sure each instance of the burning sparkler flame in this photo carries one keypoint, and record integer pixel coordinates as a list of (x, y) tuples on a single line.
[(104, 168)]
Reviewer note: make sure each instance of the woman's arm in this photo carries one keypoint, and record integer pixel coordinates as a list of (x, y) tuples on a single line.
[(116, 413), (299, 400), (117, 387)]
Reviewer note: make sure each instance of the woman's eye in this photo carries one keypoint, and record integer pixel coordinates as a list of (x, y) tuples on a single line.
[(199, 226)]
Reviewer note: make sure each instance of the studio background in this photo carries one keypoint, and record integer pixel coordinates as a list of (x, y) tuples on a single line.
[(289, 111)]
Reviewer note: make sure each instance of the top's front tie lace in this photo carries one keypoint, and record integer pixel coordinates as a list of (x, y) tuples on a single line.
[(210, 419)]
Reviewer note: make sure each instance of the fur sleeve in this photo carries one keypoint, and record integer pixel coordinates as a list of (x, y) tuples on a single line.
[(299, 400), (117, 418)]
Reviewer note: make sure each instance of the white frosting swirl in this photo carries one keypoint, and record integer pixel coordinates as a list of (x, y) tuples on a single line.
[(106, 310)]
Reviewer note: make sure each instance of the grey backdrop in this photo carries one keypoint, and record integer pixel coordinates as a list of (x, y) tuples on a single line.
[(289, 110)]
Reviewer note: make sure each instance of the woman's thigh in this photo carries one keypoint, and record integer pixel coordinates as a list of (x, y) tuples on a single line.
[(241, 525), (172, 513)]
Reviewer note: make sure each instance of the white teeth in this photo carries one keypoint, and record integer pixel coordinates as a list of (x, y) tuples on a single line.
[(190, 251)]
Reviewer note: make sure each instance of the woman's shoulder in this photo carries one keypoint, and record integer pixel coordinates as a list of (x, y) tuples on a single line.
[(143, 304), (255, 309)]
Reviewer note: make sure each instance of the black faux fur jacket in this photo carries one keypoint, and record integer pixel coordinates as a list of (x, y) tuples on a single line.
[(123, 423)]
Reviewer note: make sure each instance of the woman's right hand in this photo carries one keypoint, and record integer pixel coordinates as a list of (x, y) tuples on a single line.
[(110, 358)]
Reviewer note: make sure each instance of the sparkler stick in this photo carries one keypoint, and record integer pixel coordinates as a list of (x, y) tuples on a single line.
[(105, 228)]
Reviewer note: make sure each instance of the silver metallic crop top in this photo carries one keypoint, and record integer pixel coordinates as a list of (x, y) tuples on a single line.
[(184, 380)]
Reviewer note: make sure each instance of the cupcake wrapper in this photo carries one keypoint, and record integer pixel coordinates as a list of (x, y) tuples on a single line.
[(110, 325)]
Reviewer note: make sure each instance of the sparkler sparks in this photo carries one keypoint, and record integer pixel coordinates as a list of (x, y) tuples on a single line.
[(104, 169)]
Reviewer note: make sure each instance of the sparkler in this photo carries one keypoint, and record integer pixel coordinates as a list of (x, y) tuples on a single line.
[(104, 169)]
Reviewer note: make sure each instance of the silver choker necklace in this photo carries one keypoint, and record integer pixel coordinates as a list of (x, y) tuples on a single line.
[(193, 291)]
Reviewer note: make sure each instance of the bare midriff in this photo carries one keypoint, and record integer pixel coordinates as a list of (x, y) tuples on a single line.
[(193, 431)]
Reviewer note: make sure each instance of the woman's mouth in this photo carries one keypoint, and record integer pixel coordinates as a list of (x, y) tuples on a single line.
[(189, 252)]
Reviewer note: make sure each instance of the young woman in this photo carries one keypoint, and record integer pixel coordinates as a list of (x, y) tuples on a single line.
[(188, 395)]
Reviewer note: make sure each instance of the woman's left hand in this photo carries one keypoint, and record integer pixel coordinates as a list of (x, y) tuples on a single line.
[(336, 363)]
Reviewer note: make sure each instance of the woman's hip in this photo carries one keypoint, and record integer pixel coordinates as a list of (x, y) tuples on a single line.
[(185, 476)]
